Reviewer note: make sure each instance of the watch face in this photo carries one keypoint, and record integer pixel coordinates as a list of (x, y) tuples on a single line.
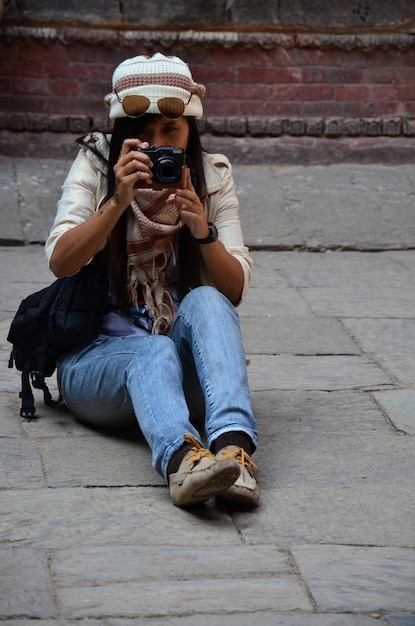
[(213, 230), (213, 234)]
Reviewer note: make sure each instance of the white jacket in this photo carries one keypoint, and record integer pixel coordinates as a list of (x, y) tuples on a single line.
[(86, 187)]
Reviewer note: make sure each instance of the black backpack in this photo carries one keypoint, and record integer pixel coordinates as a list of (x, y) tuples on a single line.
[(51, 322)]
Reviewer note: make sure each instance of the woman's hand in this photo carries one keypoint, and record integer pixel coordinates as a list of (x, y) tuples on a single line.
[(132, 167), (79, 244), (225, 270), (191, 209)]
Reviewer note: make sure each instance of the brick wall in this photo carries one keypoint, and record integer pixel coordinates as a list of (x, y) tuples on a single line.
[(283, 94)]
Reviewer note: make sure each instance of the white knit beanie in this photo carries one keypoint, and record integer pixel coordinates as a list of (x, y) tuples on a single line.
[(155, 77)]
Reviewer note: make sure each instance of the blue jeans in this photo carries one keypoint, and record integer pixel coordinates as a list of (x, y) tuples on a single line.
[(154, 379)]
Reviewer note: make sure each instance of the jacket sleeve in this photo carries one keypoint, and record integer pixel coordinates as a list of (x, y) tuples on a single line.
[(223, 210), (82, 193)]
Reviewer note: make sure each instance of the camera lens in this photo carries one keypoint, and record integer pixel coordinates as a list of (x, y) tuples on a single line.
[(167, 171)]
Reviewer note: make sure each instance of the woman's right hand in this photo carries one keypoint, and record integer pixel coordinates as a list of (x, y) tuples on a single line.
[(78, 245), (132, 166)]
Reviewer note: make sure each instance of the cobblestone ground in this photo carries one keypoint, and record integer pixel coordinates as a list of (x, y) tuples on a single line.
[(88, 534)]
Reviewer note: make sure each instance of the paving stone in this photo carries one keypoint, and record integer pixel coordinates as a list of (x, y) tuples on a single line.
[(10, 381), (383, 336), (12, 294), (399, 366), (54, 422), (335, 489), (100, 461), (363, 460), (406, 258), (316, 412), (340, 269), (11, 230), (127, 563), (187, 597), (63, 518), (265, 270), (24, 583), (351, 579), (314, 372), (369, 215), (20, 465), (350, 515), (393, 343), (399, 405), (40, 189), (5, 346), (259, 217), (295, 334), (376, 302), (264, 302), (9, 419), (401, 620), (15, 282), (331, 338), (25, 265)]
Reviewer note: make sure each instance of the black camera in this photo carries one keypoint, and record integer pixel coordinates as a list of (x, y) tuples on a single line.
[(167, 167)]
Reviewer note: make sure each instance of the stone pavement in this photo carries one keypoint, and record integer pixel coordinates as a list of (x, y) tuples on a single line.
[(88, 533)]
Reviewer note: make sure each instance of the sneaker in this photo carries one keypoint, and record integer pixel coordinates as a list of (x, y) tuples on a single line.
[(245, 489), (201, 475)]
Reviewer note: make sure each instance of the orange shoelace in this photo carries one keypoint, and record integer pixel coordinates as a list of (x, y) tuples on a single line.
[(243, 459)]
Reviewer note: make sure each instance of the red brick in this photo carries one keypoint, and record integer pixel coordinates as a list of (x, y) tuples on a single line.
[(382, 107), (384, 92), (218, 75), (303, 92), (24, 103), (222, 108), (405, 92), (30, 86), (79, 71), (273, 108), (100, 89), (5, 85), (409, 108), (64, 88), (239, 92), (268, 75), (352, 92)]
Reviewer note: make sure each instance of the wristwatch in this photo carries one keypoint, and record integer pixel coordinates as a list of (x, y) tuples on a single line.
[(213, 235)]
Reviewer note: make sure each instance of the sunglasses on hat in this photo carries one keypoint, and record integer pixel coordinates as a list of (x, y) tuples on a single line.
[(135, 106)]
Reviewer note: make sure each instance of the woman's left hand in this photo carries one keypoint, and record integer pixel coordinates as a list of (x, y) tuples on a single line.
[(191, 209)]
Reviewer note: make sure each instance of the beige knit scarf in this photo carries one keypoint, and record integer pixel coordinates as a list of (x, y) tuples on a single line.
[(151, 226)]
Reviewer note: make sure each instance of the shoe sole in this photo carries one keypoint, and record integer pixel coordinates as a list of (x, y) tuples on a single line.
[(221, 477), (239, 495)]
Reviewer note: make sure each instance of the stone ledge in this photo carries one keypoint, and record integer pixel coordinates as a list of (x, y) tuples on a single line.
[(187, 38), (233, 126)]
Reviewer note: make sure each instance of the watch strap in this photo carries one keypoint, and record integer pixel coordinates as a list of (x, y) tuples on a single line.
[(213, 235)]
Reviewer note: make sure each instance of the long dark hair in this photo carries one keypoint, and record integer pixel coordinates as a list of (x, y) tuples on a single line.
[(189, 258)]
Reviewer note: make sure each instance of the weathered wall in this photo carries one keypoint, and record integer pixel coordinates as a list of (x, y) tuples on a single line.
[(219, 14), (286, 79)]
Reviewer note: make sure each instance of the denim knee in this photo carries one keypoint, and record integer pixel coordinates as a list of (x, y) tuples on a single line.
[(206, 300)]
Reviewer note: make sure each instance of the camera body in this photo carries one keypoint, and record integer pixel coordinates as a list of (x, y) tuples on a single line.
[(167, 168)]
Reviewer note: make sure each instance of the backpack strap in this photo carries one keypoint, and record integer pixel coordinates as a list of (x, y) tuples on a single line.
[(28, 409), (38, 382), (38, 377), (35, 379)]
